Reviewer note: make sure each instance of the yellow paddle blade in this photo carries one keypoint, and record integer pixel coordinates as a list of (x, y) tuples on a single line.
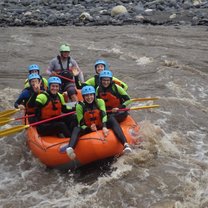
[(8, 112), (5, 120), (144, 107), (13, 130), (144, 99)]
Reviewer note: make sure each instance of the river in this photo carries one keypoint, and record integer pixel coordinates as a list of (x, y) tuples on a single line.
[(170, 167)]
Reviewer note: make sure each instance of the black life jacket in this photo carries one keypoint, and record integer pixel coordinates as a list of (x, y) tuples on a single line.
[(65, 72)]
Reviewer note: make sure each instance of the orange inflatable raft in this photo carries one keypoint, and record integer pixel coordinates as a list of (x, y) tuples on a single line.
[(90, 147)]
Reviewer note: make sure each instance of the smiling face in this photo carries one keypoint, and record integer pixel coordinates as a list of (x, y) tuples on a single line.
[(54, 88), (65, 54), (34, 82), (99, 68), (89, 98), (105, 81)]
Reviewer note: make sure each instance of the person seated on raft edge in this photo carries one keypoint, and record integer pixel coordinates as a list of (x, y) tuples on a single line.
[(50, 104), (100, 65), (26, 100), (34, 68), (64, 65), (115, 97), (91, 116)]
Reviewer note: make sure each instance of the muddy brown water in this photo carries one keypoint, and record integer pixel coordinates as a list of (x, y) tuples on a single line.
[(169, 170)]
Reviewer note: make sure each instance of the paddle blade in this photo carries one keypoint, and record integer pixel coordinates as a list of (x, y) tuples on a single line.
[(144, 107), (13, 130), (5, 120), (8, 112), (144, 99), (137, 108)]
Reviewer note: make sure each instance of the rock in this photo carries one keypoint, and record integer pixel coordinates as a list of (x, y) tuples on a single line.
[(172, 16), (102, 12), (85, 16), (105, 20), (18, 22), (28, 13), (196, 2), (187, 5), (139, 18), (139, 8), (118, 10), (149, 11)]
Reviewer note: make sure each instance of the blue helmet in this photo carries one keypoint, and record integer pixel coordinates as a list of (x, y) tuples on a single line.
[(88, 90), (106, 73), (54, 80), (33, 76), (33, 67), (100, 61)]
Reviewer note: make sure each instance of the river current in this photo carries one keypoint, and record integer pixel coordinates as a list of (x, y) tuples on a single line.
[(170, 167)]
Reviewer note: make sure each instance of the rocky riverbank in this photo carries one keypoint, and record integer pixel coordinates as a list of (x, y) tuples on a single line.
[(102, 12)]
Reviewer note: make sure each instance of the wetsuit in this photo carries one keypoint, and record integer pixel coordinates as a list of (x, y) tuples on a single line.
[(64, 68), (27, 98), (49, 105), (94, 113), (114, 97), (94, 81)]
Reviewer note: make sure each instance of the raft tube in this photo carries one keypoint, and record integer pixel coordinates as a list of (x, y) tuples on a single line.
[(50, 150)]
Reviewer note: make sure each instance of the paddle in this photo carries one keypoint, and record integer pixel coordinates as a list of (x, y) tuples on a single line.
[(5, 120), (137, 108), (63, 149), (57, 75), (22, 127), (19, 128), (8, 112), (128, 102)]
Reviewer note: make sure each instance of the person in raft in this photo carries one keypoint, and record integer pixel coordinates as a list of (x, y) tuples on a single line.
[(50, 104), (115, 97), (35, 69), (26, 100), (91, 116), (66, 67), (99, 65)]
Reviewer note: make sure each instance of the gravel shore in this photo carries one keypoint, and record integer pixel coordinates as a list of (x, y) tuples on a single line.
[(42, 13)]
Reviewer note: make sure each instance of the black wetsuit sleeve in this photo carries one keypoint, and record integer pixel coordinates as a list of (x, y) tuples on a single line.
[(79, 85), (38, 111)]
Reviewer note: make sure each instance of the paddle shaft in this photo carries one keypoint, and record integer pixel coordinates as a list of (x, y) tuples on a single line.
[(70, 80), (5, 120), (12, 130), (136, 108), (20, 118), (19, 128), (51, 119)]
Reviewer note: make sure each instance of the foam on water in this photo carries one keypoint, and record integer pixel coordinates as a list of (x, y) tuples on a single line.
[(168, 169), (115, 49), (21, 39), (144, 60), (7, 97)]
